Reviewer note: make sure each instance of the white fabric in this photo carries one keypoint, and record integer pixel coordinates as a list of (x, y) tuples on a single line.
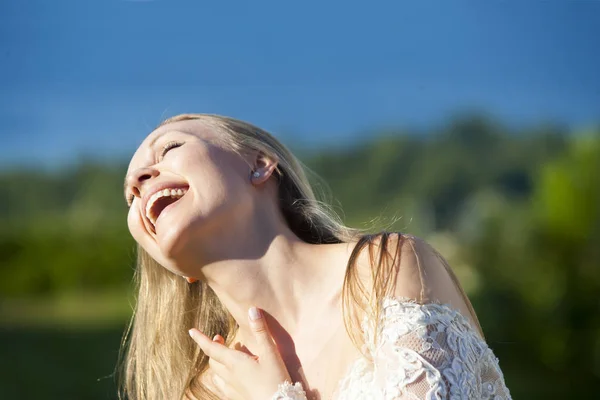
[(287, 391), (424, 351)]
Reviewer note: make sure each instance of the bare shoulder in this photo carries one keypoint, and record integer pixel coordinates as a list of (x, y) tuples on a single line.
[(411, 269), (409, 261)]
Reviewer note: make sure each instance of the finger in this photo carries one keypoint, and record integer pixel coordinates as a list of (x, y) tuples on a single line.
[(219, 374), (214, 350), (242, 347), (219, 339), (224, 391), (219, 369), (266, 344), (238, 346)]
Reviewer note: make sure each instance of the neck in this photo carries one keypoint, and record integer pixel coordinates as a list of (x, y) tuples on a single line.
[(279, 283), (271, 269)]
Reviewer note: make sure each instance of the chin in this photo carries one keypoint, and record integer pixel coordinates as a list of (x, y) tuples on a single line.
[(172, 241), (167, 252)]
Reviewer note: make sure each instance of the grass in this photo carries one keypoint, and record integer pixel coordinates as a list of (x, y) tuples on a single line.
[(62, 347), (59, 363)]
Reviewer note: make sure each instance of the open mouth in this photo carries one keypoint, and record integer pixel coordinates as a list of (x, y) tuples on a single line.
[(161, 200)]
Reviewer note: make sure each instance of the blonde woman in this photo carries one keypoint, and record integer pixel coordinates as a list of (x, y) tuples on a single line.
[(249, 288)]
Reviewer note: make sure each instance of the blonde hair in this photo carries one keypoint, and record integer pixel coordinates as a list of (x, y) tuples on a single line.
[(160, 361)]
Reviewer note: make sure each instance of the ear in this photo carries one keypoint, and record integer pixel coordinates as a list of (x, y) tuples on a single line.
[(264, 166)]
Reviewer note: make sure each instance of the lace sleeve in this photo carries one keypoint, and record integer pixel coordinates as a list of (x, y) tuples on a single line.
[(287, 391), (429, 351)]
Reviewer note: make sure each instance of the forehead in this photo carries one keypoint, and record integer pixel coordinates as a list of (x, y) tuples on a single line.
[(195, 128)]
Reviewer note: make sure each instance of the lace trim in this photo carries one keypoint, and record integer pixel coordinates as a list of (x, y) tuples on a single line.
[(423, 351), (420, 351), (287, 391)]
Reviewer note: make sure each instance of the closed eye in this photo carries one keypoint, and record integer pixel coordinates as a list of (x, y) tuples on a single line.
[(169, 146)]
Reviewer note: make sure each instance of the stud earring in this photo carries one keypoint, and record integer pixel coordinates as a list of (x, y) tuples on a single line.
[(256, 174)]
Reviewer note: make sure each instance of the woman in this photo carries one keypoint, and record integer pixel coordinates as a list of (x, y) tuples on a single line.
[(281, 300)]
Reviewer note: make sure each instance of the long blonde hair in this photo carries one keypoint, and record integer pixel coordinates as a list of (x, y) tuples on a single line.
[(160, 361)]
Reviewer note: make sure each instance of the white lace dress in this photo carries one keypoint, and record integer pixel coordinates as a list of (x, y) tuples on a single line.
[(424, 351)]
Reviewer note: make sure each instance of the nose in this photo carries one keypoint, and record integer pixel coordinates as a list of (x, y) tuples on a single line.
[(136, 179)]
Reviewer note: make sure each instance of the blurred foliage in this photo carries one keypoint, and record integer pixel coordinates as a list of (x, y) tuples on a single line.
[(517, 213)]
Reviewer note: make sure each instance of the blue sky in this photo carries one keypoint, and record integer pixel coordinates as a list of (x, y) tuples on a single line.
[(92, 77)]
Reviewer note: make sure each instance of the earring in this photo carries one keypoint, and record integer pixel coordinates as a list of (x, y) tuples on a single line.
[(256, 174)]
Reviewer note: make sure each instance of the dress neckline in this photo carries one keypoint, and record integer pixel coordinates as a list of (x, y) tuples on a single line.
[(391, 306)]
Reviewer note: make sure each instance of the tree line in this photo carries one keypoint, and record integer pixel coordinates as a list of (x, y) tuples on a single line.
[(516, 212)]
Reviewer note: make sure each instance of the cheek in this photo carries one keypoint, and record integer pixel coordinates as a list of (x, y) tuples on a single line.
[(213, 173), (138, 231), (141, 236), (134, 223)]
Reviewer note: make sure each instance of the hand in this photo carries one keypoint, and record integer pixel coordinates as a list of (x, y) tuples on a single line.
[(240, 375)]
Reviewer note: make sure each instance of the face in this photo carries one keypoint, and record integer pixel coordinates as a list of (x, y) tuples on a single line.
[(182, 187)]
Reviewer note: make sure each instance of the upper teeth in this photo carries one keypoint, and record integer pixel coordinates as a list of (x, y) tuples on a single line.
[(162, 193)]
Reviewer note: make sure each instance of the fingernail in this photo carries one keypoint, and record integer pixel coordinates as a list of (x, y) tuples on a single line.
[(254, 313), (192, 332)]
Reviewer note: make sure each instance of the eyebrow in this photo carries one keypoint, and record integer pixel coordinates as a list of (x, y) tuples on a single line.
[(155, 139)]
